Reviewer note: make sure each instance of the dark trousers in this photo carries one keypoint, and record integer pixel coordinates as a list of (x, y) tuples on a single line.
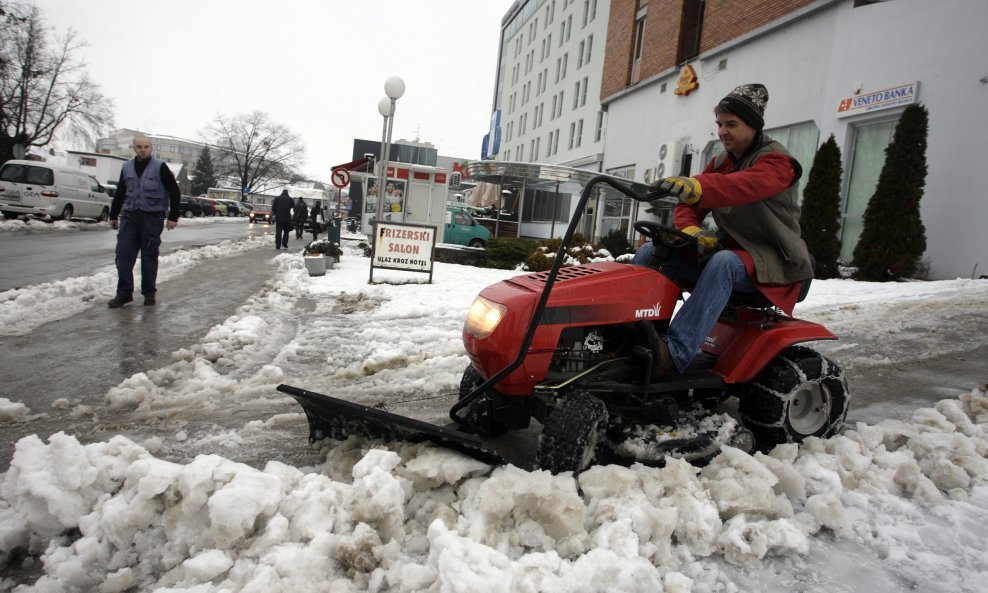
[(281, 230), (299, 227), (139, 232)]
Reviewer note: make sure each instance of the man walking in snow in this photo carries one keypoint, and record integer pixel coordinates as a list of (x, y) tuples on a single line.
[(146, 194), (282, 209)]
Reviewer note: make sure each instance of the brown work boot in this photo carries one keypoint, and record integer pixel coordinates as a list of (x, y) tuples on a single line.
[(663, 362)]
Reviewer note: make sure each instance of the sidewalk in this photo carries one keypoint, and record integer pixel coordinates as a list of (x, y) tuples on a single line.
[(78, 359)]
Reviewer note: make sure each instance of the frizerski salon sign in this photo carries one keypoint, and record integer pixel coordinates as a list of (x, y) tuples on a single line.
[(904, 94)]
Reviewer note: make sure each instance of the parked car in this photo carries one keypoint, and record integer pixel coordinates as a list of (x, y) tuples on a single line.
[(233, 208), (51, 191), (261, 213), (219, 208), (462, 229), (190, 207)]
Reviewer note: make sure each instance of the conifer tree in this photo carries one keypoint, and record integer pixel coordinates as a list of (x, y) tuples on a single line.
[(204, 176), (820, 219), (893, 238)]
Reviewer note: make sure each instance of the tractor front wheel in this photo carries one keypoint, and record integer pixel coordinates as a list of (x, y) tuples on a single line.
[(572, 434), (481, 412), (800, 394)]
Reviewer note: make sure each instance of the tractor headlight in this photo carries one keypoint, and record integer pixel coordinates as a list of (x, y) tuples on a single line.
[(483, 317)]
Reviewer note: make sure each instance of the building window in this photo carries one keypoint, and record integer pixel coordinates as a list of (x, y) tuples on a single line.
[(802, 141), (545, 206), (572, 134), (583, 93), (599, 130), (565, 61), (576, 95), (579, 133), (690, 28), (589, 49), (579, 58), (636, 55), (867, 160), (616, 210)]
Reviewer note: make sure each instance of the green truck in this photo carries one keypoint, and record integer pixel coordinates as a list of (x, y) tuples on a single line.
[(463, 229)]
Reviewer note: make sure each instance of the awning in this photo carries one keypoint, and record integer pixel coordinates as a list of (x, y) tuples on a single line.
[(357, 165), (554, 178)]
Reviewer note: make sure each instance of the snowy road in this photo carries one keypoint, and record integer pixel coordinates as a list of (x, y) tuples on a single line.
[(185, 499)]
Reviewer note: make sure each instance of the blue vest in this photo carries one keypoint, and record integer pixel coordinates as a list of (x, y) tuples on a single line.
[(146, 192)]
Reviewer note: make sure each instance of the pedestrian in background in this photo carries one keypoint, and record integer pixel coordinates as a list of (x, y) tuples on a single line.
[(315, 214), (282, 209), (299, 216), (146, 195)]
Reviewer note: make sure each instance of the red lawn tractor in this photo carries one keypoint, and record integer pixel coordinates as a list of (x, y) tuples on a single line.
[(575, 349)]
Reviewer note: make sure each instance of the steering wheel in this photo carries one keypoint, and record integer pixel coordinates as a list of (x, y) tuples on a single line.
[(664, 235)]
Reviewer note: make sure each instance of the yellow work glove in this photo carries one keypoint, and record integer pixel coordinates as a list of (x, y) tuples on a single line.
[(706, 241), (686, 189)]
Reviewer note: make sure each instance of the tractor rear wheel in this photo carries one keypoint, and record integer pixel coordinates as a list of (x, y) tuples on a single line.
[(572, 434), (800, 394)]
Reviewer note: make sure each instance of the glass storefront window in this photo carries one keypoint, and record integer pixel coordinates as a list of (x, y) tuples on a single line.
[(867, 160)]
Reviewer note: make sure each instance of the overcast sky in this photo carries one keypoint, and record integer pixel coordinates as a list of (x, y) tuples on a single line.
[(317, 67)]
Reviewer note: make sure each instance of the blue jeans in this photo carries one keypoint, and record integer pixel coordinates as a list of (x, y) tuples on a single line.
[(715, 279), (139, 232)]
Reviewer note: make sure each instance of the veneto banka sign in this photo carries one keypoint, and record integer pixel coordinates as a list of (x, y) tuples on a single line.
[(904, 94)]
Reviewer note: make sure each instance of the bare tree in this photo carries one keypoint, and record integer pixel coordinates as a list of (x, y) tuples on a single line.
[(258, 153), (44, 89)]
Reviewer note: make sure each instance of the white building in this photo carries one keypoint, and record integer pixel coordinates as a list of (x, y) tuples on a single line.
[(827, 65), (547, 96)]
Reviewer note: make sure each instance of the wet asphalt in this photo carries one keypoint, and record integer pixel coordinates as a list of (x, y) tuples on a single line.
[(80, 358)]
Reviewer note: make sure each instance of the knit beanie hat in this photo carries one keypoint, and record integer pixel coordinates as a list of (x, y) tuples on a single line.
[(748, 102)]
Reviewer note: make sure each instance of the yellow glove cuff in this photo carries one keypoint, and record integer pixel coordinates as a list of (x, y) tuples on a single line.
[(695, 190), (693, 230)]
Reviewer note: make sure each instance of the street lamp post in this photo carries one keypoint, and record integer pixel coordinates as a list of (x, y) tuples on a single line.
[(394, 88)]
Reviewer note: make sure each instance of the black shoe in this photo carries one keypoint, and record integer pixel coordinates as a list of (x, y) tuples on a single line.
[(119, 301), (149, 300)]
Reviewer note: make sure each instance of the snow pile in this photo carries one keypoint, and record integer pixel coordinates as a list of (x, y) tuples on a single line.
[(12, 411), (883, 507), (111, 517)]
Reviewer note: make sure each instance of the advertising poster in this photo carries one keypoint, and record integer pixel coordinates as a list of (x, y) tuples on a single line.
[(394, 195)]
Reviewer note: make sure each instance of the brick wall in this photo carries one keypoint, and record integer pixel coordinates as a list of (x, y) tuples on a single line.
[(618, 47), (723, 20)]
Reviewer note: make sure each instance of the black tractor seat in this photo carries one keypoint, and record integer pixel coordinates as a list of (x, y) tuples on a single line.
[(757, 300)]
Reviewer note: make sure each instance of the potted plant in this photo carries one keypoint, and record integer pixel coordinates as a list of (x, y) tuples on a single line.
[(320, 255)]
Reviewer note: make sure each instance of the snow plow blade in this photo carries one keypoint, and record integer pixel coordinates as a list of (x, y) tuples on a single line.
[(339, 419)]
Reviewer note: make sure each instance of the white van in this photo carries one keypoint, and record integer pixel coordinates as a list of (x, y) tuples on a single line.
[(42, 189)]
